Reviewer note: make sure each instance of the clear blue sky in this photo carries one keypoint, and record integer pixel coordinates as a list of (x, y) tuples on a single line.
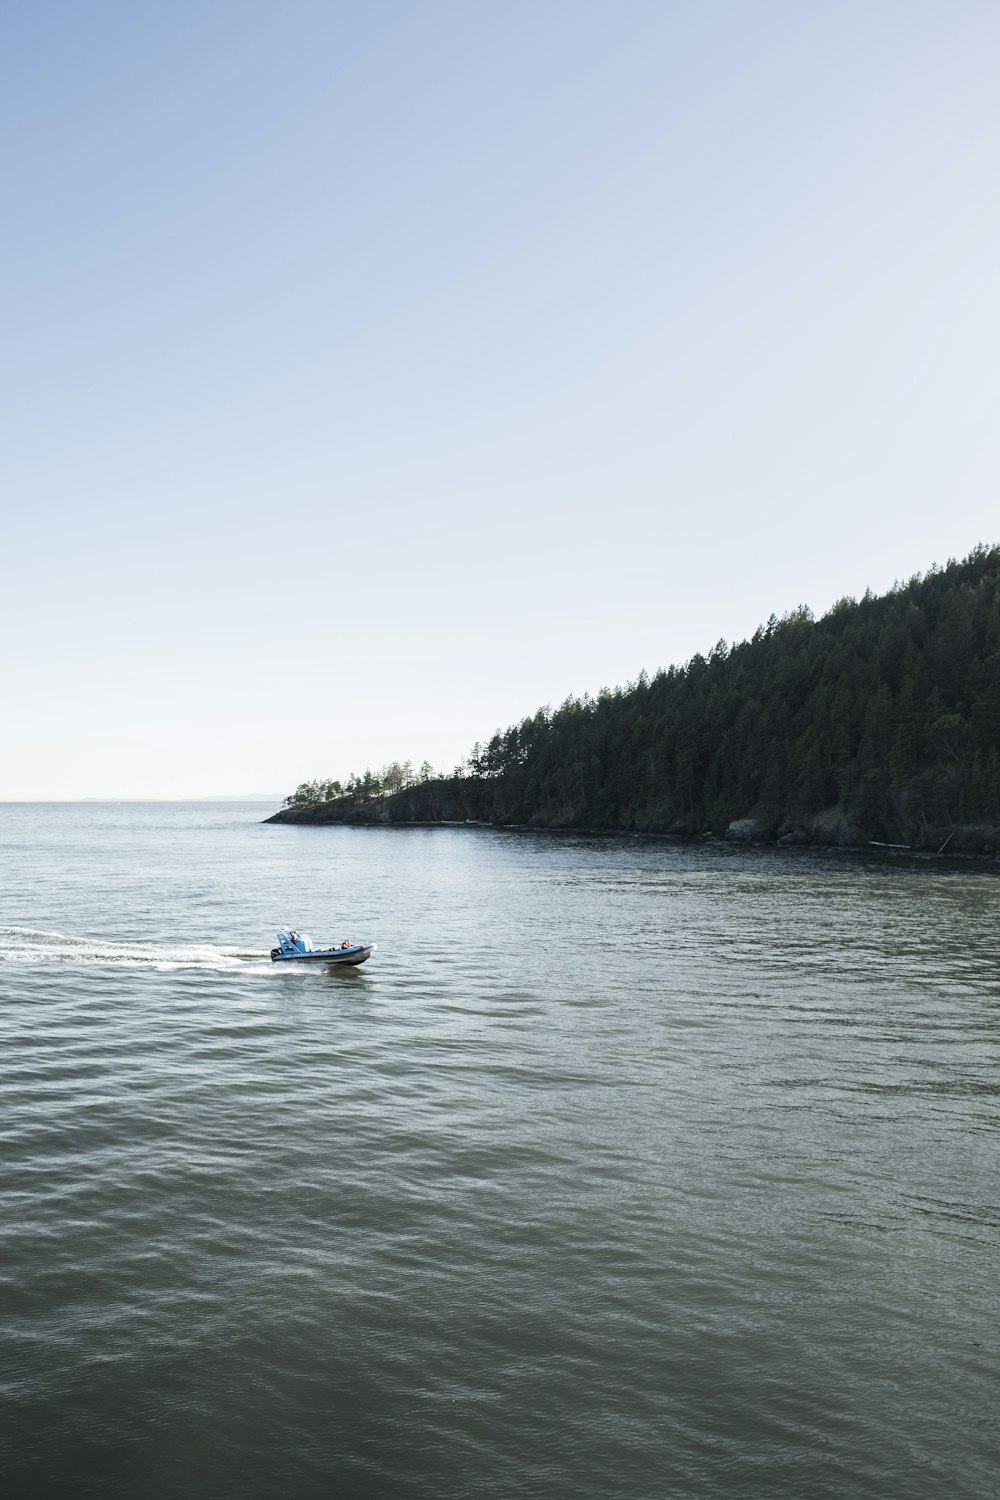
[(375, 372)]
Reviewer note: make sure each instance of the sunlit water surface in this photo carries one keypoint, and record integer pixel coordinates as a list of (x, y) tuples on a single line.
[(624, 1168)]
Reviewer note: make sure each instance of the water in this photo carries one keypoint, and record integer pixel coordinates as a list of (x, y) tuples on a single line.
[(623, 1169)]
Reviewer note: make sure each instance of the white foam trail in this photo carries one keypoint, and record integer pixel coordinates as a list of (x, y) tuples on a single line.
[(27, 945)]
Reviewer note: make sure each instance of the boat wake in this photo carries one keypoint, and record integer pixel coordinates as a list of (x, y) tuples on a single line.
[(26, 945)]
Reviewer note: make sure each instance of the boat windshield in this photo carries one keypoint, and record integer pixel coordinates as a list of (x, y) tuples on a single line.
[(290, 941)]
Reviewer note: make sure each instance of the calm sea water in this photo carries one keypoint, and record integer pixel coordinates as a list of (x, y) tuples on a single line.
[(623, 1169)]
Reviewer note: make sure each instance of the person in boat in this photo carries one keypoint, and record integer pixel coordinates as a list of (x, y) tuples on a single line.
[(291, 941)]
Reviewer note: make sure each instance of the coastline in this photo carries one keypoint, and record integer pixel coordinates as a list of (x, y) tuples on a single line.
[(963, 844)]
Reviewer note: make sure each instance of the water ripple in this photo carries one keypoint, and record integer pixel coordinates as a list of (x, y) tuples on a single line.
[(693, 1194)]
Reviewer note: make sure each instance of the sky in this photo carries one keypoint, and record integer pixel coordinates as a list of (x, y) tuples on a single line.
[(374, 373)]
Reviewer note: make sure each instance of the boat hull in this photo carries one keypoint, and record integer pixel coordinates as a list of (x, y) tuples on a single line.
[(342, 957)]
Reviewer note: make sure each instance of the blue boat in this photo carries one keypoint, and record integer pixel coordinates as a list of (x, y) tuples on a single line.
[(295, 948)]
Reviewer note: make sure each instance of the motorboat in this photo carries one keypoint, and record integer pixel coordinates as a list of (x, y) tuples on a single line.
[(295, 948)]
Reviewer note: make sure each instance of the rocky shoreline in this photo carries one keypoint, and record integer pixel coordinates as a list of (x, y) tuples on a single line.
[(467, 802)]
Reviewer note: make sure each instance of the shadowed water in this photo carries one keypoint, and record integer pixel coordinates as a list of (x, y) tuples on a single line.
[(624, 1168)]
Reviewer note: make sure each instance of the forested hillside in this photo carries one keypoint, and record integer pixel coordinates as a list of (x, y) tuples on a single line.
[(880, 720)]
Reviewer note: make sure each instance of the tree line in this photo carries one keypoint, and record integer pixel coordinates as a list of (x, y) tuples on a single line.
[(884, 712), (394, 777)]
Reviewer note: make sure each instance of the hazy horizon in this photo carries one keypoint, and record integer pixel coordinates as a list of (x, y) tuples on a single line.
[(276, 797), (374, 376)]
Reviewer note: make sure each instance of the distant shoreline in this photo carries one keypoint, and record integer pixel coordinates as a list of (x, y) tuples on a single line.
[(253, 797)]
